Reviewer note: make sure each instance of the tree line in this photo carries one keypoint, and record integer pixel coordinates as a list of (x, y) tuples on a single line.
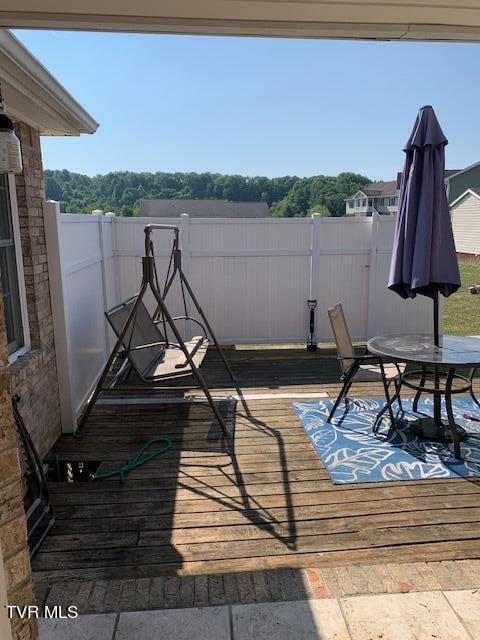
[(121, 191)]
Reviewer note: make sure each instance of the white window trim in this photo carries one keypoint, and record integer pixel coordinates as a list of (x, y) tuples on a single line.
[(20, 273)]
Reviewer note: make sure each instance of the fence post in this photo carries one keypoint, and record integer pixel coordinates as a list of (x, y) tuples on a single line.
[(61, 322), (185, 248), (315, 292), (372, 276), (105, 242), (116, 270)]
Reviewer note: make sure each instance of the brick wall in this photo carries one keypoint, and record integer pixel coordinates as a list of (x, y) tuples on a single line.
[(34, 376), (13, 533)]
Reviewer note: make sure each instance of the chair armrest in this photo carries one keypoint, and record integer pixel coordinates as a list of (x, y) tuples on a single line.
[(361, 358)]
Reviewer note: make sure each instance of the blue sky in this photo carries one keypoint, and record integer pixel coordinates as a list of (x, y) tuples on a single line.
[(257, 106)]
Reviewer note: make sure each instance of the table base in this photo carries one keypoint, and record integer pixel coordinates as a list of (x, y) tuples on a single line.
[(429, 429)]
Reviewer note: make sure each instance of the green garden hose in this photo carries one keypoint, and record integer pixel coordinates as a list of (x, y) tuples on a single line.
[(137, 460)]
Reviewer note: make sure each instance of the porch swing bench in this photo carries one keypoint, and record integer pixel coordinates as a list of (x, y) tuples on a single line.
[(153, 345), (147, 350)]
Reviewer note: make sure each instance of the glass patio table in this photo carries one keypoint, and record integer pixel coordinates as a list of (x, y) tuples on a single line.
[(435, 372)]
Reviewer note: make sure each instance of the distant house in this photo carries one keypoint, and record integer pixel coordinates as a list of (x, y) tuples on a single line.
[(204, 209), (379, 197), (382, 197), (466, 224)]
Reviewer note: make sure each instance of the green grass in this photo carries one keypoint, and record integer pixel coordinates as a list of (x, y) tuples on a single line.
[(462, 310)]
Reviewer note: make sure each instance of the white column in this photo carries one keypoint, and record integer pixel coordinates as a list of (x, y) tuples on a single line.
[(61, 324)]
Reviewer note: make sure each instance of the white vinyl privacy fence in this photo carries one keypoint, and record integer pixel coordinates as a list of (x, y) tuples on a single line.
[(253, 278)]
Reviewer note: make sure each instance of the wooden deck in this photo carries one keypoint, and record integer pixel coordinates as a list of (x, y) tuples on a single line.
[(198, 510)]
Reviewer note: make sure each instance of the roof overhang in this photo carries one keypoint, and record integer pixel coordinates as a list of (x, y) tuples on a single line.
[(32, 95), (364, 19), (357, 194), (457, 173)]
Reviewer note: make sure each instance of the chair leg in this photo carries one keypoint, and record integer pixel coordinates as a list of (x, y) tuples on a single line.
[(398, 388), (387, 393), (388, 405), (451, 417), (472, 394), (347, 383)]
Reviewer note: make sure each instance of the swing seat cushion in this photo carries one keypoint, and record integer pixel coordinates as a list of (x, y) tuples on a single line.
[(145, 345), (174, 362)]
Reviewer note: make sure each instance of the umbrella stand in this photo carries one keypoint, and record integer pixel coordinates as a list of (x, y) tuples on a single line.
[(437, 398)]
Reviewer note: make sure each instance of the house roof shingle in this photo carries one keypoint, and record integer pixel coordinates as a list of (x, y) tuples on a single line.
[(172, 208), (451, 172), (380, 189)]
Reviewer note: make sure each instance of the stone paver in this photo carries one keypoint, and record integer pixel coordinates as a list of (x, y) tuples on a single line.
[(450, 615), (94, 627), (211, 623), (302, 620), (466, 605), (407, 616)]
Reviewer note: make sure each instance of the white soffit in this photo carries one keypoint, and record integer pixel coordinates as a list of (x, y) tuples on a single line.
[(374, 19), (466, 193), (31, 94)]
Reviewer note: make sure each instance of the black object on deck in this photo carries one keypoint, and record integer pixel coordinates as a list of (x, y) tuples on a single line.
[(38, 509), (311, 342)]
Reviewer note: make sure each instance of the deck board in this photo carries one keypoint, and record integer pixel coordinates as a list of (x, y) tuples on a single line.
[(197, 510)]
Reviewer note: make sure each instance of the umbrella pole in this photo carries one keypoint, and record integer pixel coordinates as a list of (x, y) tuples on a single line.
[(437, 397)]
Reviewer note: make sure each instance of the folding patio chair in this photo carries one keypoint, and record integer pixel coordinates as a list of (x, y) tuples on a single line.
[(361, 368)]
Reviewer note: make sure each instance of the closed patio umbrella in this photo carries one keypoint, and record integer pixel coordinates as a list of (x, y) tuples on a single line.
[(424, 260)]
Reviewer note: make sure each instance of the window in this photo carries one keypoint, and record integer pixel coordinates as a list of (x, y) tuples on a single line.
[(357, 203), (392, 202), (351, 204), (381, 201), (364, 202), (9, 269)]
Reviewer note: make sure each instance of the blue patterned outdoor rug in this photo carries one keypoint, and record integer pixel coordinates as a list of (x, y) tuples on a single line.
[(352, 453)]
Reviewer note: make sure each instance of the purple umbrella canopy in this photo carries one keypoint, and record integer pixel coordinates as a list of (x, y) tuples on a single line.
[(424, 259)]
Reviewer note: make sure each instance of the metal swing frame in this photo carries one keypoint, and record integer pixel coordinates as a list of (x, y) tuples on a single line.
[(162, 317)]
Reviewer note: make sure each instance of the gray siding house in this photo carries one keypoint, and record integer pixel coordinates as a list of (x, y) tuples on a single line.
[(457, 182), (203, 209)]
